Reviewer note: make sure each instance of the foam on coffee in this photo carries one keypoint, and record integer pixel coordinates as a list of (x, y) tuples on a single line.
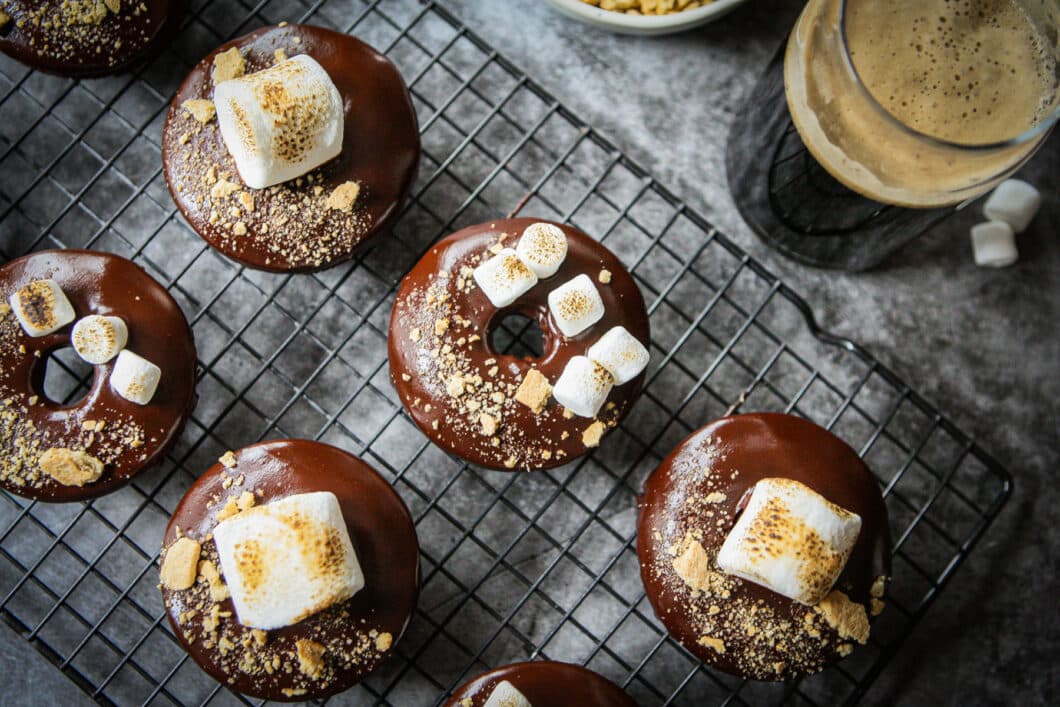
[(966, 71)]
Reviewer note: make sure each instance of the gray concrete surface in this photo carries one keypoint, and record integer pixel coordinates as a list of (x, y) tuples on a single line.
[(980, 344), (983, 345)]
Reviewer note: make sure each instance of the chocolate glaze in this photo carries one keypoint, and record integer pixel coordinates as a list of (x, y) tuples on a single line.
[(522, 432), (99, 283), (57, 50), (546, 684), (757, 446), (380, 150), (380, 528)]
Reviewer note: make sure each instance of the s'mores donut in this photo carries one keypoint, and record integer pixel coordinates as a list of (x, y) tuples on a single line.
[(85, 38), (289, 148), (124, 324), (764, 546), (541, 683), (509, 412), (290, 570)]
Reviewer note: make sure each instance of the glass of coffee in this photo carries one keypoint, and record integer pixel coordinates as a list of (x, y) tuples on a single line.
[(879, 119)]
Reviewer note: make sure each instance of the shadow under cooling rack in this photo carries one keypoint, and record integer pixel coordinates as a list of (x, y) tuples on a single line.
[(515, 566)]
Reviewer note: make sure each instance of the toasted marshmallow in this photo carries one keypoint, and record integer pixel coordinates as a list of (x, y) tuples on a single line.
[(790, 539), (576, 305), (282, 122), (1015, 202), (504, 278), (583, 386), (505, 695), (620, 353), (41, 307), (288, 559), (98, 339), (543, 248), (134, 377), (994, 245)]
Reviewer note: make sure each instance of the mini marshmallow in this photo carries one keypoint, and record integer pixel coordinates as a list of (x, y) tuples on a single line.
[(98, 339), (543, 248), (504, 278), (288, 559), (41, 307), (282, 122), (620, 353), (576, 305), (134, 377), (994, 244), (1015, 202), (583, 386), (790, 539), (505, 695)]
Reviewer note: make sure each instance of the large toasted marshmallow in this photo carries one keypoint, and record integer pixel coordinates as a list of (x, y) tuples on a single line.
[(288, 560), (543, 247), (583, 386), (41, 307), (98, 339), (576, 305), (282, 122), (505, 695), (790, 539), (134, 377), (620, 353), (504, 278)]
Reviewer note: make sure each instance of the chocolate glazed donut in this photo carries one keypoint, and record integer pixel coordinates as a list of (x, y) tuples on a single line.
[(130, 437), (383, 537), (525, 440), (545, 684), (288, 227), (84, 43), (699, 488)]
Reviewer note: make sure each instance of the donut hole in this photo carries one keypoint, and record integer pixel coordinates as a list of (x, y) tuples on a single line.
[(518, 335), (67, 377)]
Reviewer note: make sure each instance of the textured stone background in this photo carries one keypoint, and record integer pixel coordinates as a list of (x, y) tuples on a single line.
[(980, 344)]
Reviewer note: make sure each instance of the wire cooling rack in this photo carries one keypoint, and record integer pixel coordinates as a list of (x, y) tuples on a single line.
[(515, 566)]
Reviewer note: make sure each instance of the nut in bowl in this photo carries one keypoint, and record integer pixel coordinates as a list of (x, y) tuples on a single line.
[(649, 17)]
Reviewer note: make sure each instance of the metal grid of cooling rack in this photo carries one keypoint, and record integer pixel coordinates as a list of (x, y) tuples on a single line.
[(515, 566)]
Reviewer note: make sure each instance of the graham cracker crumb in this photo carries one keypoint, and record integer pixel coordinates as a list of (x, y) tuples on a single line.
[(181, 563), (848, 618), (593, 434), (69, 467), (228, 459), (223, 189), (279, 55), (716, 644), (605, 276), (228, 65), (310, 657), (534, 390), (218, 589), (344, 196), (260, 637), (293, 691), (200, 109), (693, 566), (489, 424), (383, 641), (715, 497)]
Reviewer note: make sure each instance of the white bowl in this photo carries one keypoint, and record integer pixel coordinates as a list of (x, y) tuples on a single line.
[(645, 24)]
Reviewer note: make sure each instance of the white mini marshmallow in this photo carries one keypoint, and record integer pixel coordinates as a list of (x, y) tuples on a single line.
[(98, 339), (620, 353), (280, 562), (504, 278), (790, 539), (41, 307), (994, 244), (543, 248), (505, 695), (576, 305), (1015, 202), (282, 122), (134, 377), (583, 386)]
